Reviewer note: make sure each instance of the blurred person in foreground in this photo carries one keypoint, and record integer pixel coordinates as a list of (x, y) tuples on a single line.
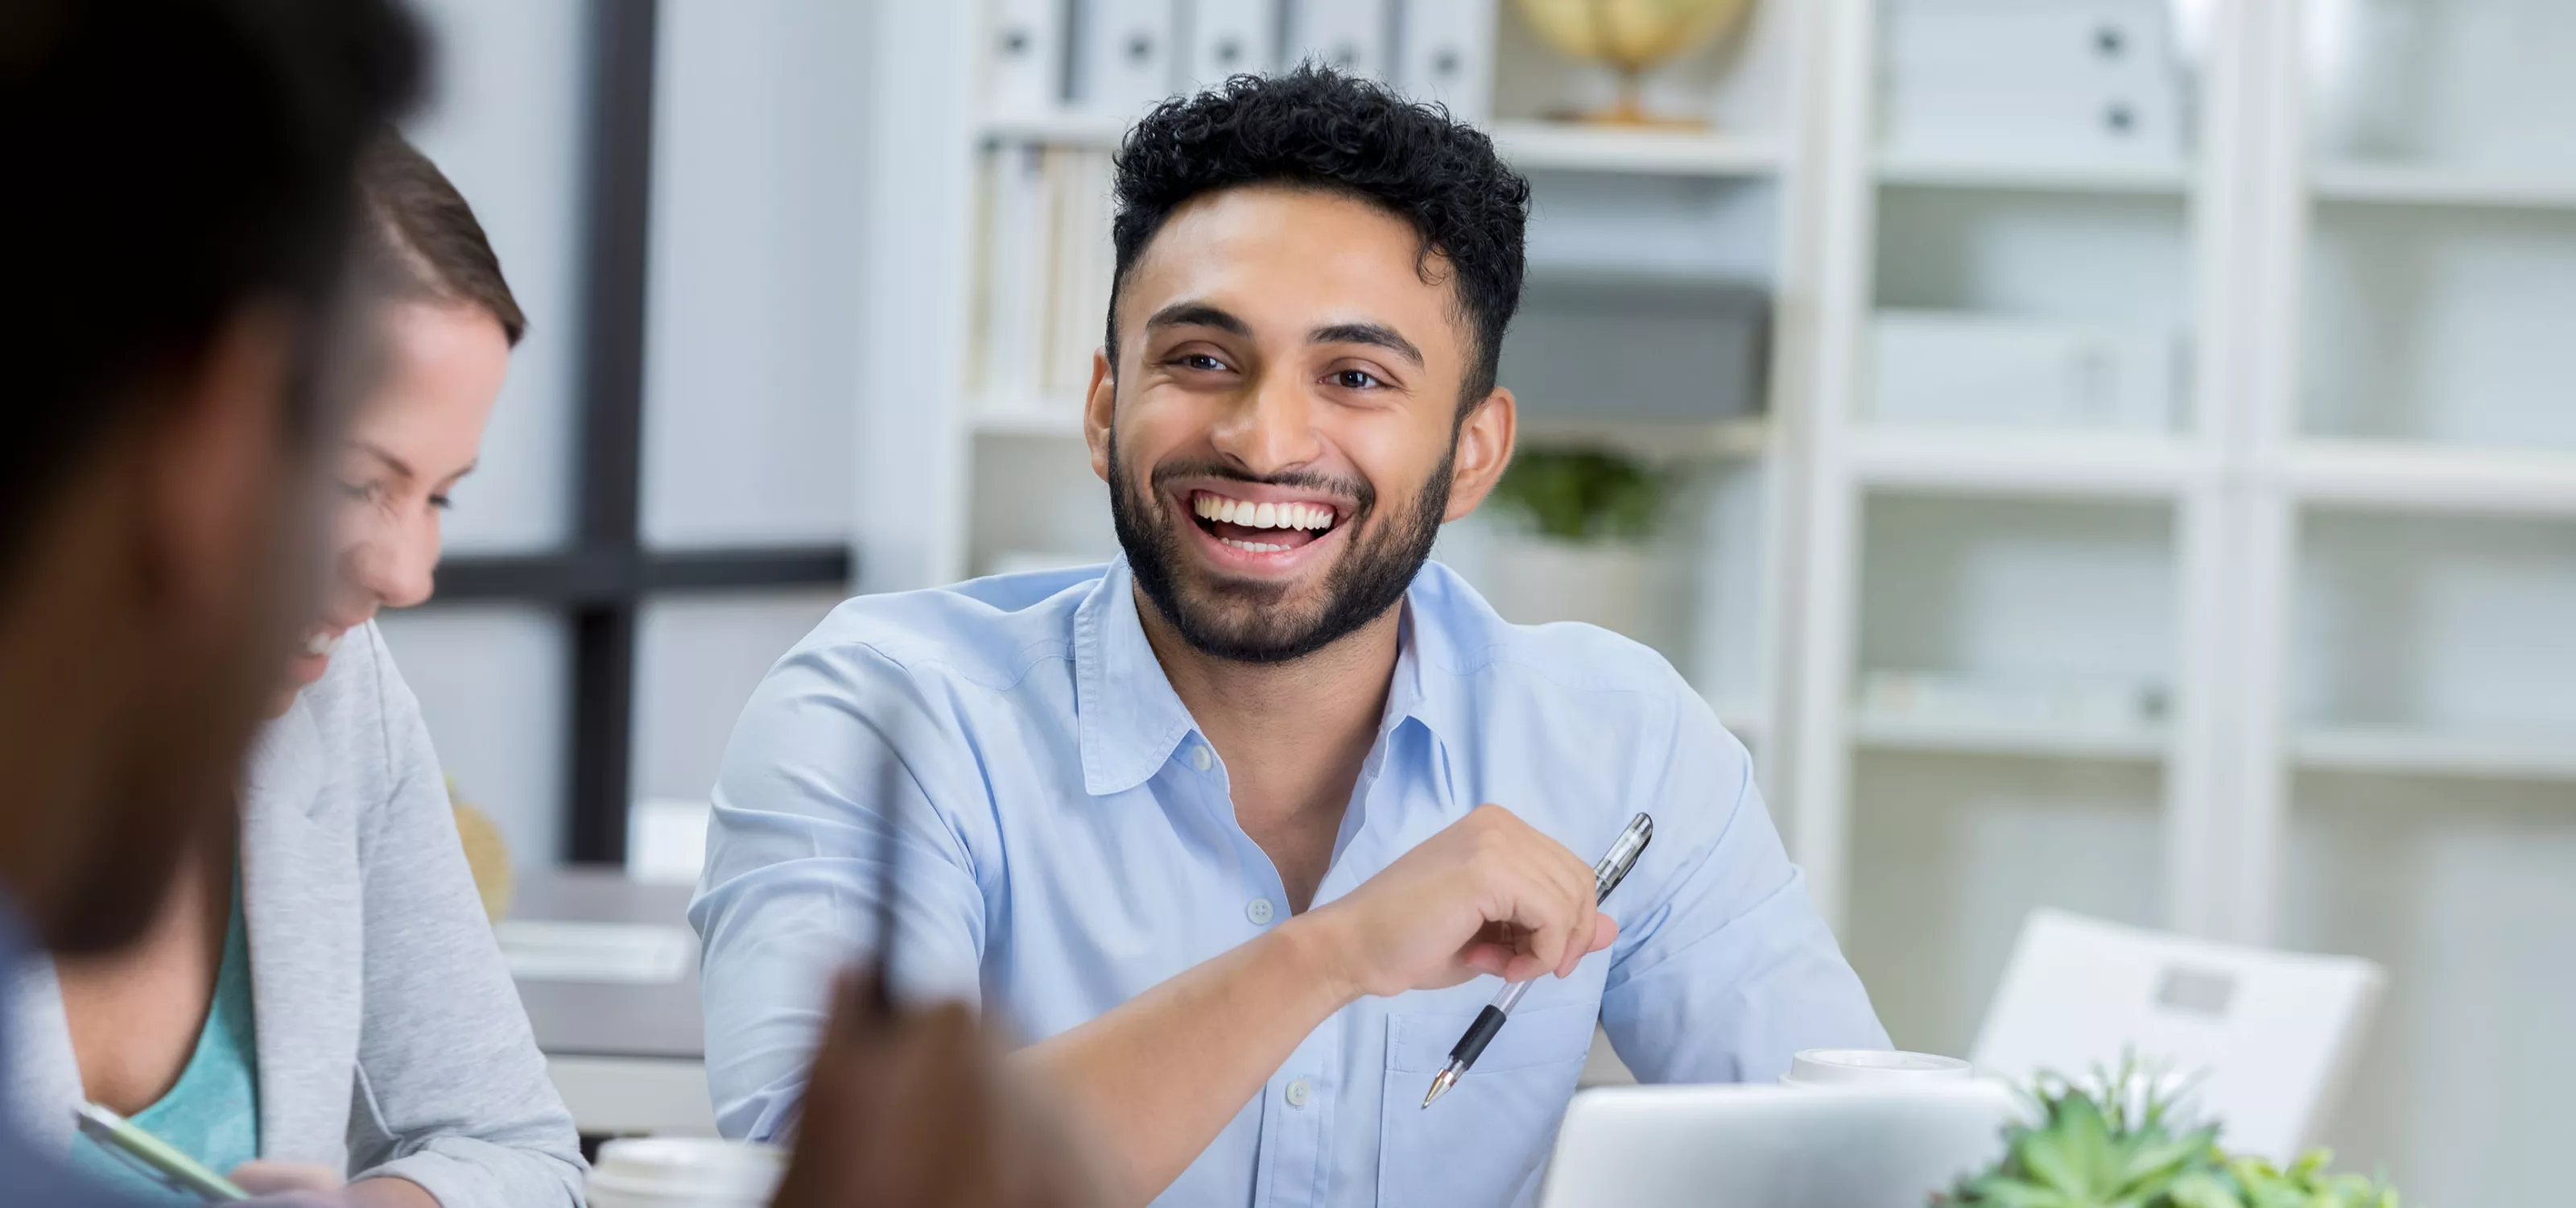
[(385, 1041), (180, 202), (1243, 828)]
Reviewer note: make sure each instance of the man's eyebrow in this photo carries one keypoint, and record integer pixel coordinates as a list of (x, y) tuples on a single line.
[(1199, 314), (396, 464), (1377, 334)]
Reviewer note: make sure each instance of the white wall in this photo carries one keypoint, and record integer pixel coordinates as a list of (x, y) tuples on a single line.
[(750, 372)]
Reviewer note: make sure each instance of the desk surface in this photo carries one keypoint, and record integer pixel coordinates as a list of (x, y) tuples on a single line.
[(586, 1019)]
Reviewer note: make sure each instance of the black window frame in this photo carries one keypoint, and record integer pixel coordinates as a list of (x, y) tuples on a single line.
[(600, 582)]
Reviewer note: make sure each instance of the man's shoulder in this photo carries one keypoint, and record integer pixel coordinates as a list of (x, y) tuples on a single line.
[(991, 631)]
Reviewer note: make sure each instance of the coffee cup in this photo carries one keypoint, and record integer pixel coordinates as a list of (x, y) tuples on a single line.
[(685, 1172), (1872, 1067)]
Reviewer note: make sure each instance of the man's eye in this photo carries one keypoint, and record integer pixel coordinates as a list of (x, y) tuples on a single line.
[(1356, 379), (1199, 361)]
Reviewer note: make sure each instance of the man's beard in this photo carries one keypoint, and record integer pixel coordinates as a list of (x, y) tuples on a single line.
[(1249, 622)]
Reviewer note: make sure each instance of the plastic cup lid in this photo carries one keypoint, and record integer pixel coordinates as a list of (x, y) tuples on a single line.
[(1873, 1065)]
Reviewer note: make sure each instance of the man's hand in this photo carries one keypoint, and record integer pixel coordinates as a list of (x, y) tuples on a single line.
[(914, 1110), (1489, 894)]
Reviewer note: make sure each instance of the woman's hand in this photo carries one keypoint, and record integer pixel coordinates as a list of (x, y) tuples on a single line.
[(297, 1184)]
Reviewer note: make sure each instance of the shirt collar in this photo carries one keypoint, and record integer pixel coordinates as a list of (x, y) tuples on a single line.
[(1131, 719)]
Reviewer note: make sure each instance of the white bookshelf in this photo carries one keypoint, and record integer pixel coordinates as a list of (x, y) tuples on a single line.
[(2345, 566)]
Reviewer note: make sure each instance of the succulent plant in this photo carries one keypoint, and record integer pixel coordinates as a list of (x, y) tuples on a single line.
[(1582, 494), (2112, 1143)]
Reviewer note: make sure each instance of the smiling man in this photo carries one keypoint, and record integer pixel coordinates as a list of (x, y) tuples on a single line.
[(1243, 829)]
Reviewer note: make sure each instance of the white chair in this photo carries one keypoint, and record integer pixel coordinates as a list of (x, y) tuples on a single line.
[(2271, 1036)]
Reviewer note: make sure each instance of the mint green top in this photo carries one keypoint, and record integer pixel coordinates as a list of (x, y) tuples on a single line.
[(212, 1112)]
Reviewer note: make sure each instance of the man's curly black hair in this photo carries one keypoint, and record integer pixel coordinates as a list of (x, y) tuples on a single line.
[(1315, 127)]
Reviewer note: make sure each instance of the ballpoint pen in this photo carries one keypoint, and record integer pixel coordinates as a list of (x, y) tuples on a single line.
[(1606, 876)]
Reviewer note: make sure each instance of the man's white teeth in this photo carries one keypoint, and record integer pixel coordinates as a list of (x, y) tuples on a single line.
[(1262, 515), (321, 642), (1255, 546)]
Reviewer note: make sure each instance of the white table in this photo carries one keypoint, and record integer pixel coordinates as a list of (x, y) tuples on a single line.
[(627, 1058)]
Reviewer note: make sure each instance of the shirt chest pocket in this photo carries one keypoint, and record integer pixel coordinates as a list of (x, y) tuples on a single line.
[(1479, 1146)]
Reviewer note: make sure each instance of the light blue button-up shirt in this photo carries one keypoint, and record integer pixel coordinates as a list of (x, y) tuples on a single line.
[(1068, 842)]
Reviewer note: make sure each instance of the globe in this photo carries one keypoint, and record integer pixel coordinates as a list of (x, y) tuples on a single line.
[(1631, 37)]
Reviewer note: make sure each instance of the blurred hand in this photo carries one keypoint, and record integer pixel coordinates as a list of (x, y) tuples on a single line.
[(265, 1178), (307, 1185), (1488, 894), (914, 1111)]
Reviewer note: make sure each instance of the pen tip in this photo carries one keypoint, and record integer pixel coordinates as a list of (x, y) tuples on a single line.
[(1439, 1086)]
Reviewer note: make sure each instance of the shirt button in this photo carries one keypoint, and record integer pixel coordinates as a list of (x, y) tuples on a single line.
[(1202, 758), (1258, 912), (1298, 1093)]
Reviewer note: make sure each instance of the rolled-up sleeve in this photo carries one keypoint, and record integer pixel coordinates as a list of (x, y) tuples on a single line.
[(836, 741), (1728, 969)]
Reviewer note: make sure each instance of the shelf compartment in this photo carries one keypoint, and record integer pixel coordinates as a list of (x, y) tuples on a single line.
[(1990, 625), (2440, 326), (2399, 475), (1951, 851), (2435, 753), (2433, 626), (2022, 463), (1535, 146)]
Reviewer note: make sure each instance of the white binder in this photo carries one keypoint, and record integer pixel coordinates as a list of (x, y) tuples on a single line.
[(1023, 57), (1228, 37), (1445, 54), (1349, 36), (1123, 55)]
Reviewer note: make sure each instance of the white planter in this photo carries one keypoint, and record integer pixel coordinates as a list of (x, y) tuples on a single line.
[(1616, 585)]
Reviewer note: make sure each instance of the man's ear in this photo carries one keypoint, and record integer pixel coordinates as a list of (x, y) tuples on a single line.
[(211, 465), (1484, 450), (1097, 407)]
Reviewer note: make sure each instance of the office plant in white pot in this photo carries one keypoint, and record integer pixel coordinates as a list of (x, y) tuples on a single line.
[(1574, 545), (2115, 1142)]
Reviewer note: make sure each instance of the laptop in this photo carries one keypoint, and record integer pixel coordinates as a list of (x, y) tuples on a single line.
[(1773, 1146)]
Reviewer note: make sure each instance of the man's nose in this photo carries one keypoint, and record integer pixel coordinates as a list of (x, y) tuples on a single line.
[(1271, 428)]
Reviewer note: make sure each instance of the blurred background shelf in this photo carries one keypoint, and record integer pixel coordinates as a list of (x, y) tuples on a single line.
[(2408, 184), (2404, 475), (1737, 439), (1976, 736), (1569, 147), (1014, 415), (1934, 170), (2003, 462), (2538, 757), (1054, 129)]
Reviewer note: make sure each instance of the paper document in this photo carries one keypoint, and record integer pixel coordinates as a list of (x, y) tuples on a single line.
[(618, 953)]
